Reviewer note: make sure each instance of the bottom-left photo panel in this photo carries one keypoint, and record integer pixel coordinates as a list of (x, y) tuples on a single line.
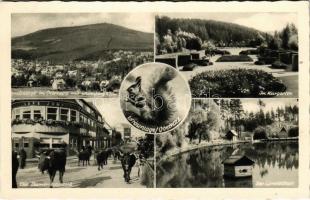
[(78, 143)]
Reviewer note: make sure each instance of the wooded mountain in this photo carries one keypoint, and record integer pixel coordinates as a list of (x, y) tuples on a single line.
[(72, 43), (207, 29)]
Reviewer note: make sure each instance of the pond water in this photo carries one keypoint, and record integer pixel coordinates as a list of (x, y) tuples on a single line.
[(276, 165)]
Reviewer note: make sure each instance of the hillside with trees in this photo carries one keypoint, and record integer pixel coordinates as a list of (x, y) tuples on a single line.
[(220, 33), (176, 35), (87, 42)]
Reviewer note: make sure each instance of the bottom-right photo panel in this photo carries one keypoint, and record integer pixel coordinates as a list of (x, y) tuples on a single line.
[(241, 143)]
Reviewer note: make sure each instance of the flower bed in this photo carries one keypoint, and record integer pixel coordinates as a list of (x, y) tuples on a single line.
[(235, 58), (235, 83)]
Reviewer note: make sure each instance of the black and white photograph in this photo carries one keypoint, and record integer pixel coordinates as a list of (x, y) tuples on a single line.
[(232, 143), (78, 143), (155, 98), (228, 55), (74, 55)]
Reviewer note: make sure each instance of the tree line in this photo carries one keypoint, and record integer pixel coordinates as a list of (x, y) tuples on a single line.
[(209, 120), (175, 35), (286, 39), (220, 33)]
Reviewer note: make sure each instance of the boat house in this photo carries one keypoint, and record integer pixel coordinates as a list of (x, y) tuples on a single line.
[(238, 166), (283, 133), (231, 135)]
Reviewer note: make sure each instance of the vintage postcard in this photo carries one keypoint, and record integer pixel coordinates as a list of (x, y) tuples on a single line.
[(155, 100)]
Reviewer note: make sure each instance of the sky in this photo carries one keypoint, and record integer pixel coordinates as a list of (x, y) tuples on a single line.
[(24, 23), (252, 104), (266, 22)]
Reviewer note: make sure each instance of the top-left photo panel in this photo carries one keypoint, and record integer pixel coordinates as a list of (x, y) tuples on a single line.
[(74, 55)]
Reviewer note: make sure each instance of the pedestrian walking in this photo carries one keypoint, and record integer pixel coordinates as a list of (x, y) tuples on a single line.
[(22, 158), (140, 164)]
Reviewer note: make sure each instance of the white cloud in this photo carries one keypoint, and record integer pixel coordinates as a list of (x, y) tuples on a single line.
[(268, 22)]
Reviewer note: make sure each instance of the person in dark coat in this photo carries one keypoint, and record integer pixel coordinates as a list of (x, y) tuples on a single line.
[(15, 165), (22, 158)]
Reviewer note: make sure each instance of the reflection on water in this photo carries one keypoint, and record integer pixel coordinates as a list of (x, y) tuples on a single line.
[(276, 165)]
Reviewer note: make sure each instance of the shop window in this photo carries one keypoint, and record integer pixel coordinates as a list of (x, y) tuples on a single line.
[(52, 113), (56, 143), (27, 114), (37, 114), (26, 144), (45, 143), (57, 146), (73, 115), (64, 114)]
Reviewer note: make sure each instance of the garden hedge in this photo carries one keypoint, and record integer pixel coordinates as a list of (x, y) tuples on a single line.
[(235, 58)]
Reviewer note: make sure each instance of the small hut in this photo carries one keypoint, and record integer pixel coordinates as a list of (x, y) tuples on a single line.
[(283, 133), (231, 135), (238, 166)]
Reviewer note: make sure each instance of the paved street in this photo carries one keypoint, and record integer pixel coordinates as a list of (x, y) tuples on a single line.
[(81, 177)]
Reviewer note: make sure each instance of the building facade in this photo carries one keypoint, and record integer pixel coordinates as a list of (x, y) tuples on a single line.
[(125, 130), (48, 123)]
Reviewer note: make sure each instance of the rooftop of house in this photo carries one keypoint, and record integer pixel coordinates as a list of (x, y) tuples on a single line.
[(233, 132), (238, 160)]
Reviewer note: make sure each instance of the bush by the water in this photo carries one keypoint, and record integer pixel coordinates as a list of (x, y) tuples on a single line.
[(235, 83), (234, 58), (293, 132), (260, 133)]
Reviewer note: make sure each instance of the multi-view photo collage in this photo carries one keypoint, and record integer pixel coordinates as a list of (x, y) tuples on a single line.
[(176, 100)]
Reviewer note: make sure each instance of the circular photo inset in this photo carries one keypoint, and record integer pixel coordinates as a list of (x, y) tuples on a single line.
[(155, 98)]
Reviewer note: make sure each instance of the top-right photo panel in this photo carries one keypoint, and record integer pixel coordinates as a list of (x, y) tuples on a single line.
[(231, 55)]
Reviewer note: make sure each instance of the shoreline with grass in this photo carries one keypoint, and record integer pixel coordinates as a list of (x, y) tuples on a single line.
[(177, 150)]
